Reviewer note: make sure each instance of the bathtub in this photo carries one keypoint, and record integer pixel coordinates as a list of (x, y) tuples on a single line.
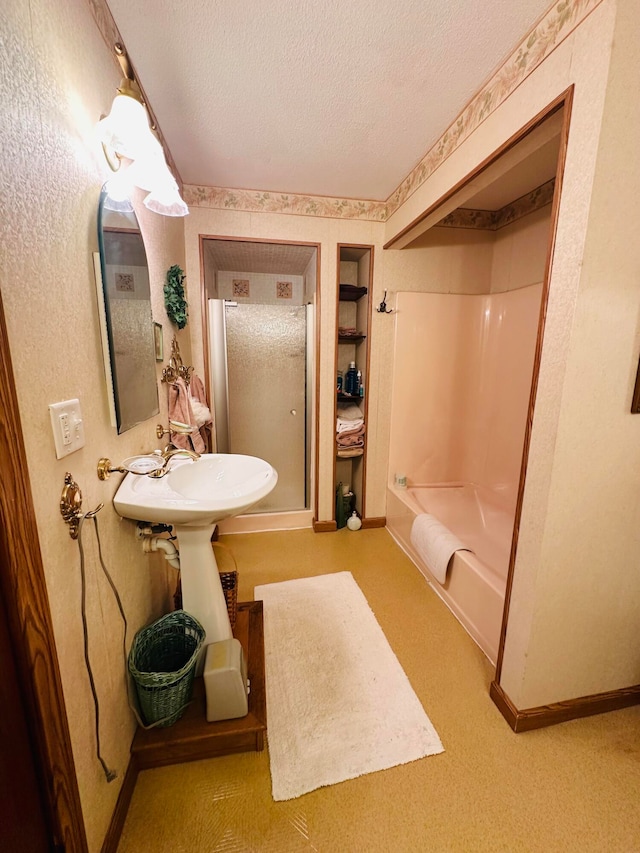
[(476, 581)]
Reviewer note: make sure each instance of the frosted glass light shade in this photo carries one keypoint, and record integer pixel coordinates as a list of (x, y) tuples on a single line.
[(126, 129), (119, 189), (165, 199), (150, 171)]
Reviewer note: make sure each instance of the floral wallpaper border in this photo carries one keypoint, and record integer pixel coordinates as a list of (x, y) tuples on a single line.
[(559, 22), (256, 201), (493, 220)]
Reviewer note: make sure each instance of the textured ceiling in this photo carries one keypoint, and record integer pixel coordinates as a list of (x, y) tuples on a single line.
[(239, 256), (327, 98)]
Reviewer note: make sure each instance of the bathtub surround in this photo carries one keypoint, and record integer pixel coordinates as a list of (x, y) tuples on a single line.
[(476, 580), (460, 441), (339, 702)]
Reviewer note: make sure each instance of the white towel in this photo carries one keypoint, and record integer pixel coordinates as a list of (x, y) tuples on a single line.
[(347, 426), (436, 544)]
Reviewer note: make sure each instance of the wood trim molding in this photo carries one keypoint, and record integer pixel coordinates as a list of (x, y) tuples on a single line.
[(324, 526), (635, 402), (112, 838), (317, 318), (370, 523), (202, 238), (560, 712), (30, 626), (510, 143), (566, 105)]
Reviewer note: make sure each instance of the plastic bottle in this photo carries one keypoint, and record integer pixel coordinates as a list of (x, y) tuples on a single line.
[(339, 383), (359, 388), (351, 380)]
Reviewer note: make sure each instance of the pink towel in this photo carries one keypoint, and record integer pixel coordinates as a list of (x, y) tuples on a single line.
[(180, 410), (196, 389), (352, 438)]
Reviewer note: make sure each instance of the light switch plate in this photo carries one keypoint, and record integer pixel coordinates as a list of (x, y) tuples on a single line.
[(67, 426)]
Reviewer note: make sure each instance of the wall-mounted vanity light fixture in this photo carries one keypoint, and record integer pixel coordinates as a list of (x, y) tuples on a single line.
[(126, 135)]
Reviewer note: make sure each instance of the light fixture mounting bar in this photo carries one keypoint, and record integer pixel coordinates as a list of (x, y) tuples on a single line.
[(123, 59)]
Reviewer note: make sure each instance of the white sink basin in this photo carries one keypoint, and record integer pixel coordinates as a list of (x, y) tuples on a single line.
[(207, 490), (193, 497)]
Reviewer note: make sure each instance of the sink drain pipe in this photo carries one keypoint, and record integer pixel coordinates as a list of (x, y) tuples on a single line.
[(151, 543)]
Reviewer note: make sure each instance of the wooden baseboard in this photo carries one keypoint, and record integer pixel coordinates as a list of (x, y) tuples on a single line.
[(330, 526), (560, 712), (192, 738), (112, 838), (369, 523), (324, 526)]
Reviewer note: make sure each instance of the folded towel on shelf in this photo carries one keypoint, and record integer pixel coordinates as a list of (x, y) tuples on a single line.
[(348, 426), (435, 544), (180, 410), (349, 412), (348, 452), (354, 438), (358, 441), (355, 426)]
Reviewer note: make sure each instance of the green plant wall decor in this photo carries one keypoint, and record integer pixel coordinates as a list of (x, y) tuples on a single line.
[(174, 299)]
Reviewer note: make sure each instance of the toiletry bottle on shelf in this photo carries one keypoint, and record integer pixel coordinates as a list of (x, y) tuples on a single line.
[(351, 380), (339, 382), (359, 387)]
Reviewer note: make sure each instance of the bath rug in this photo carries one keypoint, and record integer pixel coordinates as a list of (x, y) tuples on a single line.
[(338, 702), (436, 544)]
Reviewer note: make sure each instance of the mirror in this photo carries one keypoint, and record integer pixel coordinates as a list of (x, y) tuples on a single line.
[(127, 303)]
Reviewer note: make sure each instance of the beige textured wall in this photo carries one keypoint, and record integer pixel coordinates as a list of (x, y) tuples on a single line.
[(574, 609), (520, 252), (327, 232), (59, 78), (583, 617)]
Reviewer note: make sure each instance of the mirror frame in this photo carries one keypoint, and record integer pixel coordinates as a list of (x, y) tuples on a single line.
[(109, 351)]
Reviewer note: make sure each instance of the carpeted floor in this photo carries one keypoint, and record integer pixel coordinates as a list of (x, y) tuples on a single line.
[(572, 787)]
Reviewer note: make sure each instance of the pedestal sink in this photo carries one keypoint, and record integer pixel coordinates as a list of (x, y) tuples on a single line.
[(193, 497)]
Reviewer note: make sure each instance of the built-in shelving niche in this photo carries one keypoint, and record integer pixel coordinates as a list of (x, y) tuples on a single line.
[(353, 312)]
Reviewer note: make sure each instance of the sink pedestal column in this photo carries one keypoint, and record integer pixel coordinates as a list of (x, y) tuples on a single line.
[(202, 593)]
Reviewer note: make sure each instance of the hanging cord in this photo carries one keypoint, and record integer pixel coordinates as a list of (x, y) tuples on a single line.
[(127, 682), (109, 774)]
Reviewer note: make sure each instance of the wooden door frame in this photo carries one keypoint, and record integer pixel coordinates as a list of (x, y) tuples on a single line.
[(23, 588), (204, 310)]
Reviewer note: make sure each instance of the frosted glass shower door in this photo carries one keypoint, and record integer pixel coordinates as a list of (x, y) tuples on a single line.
[(266, 378)]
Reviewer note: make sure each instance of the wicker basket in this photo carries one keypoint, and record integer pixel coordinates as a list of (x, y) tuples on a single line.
[(162, 662), (229, 581)]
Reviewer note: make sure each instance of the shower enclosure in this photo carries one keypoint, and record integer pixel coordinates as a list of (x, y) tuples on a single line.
[(260, 359)]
